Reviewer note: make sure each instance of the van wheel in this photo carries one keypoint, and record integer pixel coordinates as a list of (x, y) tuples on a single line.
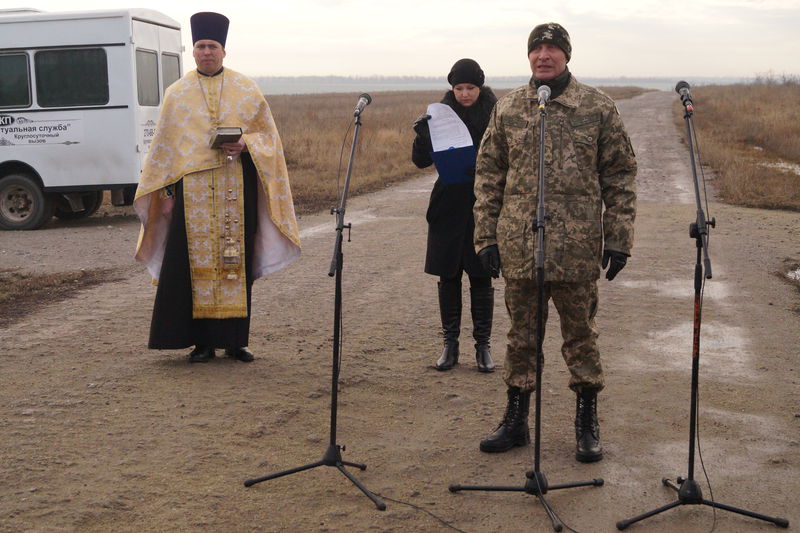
[(23, 205), (91, 203)]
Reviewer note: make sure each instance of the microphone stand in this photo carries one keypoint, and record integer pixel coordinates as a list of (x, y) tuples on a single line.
[(536, 482), (687, 489), (333, 455)]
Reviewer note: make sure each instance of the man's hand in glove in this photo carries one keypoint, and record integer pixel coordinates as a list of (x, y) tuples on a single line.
[(490, 260), (618, 261)]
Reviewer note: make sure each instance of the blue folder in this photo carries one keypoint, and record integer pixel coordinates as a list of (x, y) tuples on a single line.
[(453, 164)]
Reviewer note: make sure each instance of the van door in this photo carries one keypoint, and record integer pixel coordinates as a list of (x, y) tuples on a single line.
[(149, 81)]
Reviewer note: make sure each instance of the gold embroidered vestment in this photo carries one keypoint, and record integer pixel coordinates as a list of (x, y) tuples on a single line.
[(193, 108)]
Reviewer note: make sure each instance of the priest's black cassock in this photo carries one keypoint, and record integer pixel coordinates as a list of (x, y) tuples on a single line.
[(172, 326)]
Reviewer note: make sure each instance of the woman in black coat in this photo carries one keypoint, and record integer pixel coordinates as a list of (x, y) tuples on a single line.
[(451, 224)]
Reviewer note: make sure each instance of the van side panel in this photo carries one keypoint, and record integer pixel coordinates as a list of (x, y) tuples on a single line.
[(78, 145), (82, 147)]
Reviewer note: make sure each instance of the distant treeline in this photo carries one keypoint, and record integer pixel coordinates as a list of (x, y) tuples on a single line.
[(356, 84)]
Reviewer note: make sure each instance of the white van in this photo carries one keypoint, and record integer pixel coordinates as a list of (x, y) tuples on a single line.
[(80, 94)]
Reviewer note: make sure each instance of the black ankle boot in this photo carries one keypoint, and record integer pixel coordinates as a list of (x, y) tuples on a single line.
[(587, 428), (201, 354), (450, 309), (449, 357), (242, 354), (482, 307), (513, 429)]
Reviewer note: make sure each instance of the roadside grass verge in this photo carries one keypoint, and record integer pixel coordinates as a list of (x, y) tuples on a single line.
[(22, 293), (752, 143)]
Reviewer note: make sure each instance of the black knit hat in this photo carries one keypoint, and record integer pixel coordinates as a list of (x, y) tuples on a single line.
[(550, 32), (208, 25), (466, 71)]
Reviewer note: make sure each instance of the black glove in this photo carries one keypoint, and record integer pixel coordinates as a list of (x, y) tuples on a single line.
[(490, 260), (618, 261), (421, 126)]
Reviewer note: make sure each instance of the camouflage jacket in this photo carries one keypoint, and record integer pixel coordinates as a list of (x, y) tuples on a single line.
[(589, 166)]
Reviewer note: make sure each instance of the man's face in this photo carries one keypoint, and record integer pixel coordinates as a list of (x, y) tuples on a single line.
[(208, 55), (547, 61)]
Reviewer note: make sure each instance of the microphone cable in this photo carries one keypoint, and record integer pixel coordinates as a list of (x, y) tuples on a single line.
[(697, 427), (334, 210), (424, 510), (702, 299), (341, 157), (703, 174)]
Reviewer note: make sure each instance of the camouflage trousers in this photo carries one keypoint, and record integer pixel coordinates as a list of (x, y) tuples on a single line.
[(576, 304)]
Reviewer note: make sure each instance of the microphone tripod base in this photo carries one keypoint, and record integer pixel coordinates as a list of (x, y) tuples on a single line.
[(536, 485), (689, 493), (332, 457)]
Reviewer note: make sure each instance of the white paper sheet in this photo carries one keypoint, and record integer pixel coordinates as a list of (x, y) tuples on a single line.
[(447, 130)]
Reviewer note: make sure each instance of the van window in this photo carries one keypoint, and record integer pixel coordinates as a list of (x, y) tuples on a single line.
[(14, 81), (147, 77), (71, 77), (170, 69)]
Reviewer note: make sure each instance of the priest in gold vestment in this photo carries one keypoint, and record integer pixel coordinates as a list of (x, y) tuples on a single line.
[(213, 219)]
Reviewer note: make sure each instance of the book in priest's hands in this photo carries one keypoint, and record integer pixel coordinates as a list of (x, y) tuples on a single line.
[(225, 135)]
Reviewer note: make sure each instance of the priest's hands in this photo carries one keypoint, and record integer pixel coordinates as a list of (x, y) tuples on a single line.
[(234, 149)]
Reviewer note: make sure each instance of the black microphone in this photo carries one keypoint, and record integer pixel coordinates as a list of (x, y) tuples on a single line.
[(544, 95), (682, 88), (363, 101)]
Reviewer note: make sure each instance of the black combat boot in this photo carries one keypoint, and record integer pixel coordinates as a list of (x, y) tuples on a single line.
[(513, 429), (482, 306), (450, 309), (587, 428)]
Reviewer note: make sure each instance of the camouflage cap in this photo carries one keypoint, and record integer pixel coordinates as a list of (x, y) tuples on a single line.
[(550, 32)]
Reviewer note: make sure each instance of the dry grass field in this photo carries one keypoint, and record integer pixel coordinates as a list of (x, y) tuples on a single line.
[(750, 136), (313, 127)]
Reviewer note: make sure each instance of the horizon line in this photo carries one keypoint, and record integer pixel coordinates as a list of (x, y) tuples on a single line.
[(504, 77)]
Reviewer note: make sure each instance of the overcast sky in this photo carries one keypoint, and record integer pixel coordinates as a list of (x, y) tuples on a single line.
[(633, 38)]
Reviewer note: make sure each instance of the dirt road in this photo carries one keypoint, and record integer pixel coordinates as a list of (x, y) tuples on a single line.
[(98, 434)]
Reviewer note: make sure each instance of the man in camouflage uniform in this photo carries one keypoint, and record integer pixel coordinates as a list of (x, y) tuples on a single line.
[(589, 166)]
